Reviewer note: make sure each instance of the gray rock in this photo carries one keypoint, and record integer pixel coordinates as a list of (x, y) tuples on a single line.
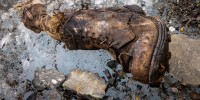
[(30, 95), (175, 90), (47, 78), (48, 95), (54, 95), (185, 59), (44, 95), (85, 83)]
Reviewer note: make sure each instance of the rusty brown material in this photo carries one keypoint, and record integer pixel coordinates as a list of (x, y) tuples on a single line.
[(136, 41)]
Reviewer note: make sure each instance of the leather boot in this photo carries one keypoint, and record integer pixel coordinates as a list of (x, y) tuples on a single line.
[(140, 42), (136, 41)]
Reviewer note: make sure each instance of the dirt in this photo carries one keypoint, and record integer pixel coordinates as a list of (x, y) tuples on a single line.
[(183, 15)]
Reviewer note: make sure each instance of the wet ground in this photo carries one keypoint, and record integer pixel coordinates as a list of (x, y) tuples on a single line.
[(22, 51)]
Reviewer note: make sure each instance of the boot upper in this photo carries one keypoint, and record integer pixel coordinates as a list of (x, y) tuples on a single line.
[(101, 27)]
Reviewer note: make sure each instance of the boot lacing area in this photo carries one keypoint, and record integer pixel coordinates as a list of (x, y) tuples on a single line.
[(70, 36)]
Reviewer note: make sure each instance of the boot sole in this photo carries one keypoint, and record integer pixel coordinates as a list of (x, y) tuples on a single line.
[(158, 54)]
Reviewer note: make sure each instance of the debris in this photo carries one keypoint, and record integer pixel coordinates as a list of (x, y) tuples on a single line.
[(107, 73), (137, 97), (184, 13), (172, 29), (47, 78), (139, 87), (174, 90), (182, 29), (112, 64), (85, 83), (30, 96), (112, 81), (53, 95), (121, 74)]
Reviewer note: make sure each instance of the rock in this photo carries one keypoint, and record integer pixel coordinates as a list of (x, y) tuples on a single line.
[(139, 87), (85, 83), (175, 90), (185, 59), (121, 74), (53, 95), (107, 73), (112, 64), (12, 79), (112, 81), (30, 95), (172, 29), (47, 78)]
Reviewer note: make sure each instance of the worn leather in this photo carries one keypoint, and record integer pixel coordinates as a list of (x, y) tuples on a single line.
[(136, 41), (104, 26)]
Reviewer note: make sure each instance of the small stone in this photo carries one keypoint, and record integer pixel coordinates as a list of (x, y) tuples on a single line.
[(137, 97), (121, 74), (172, 29), (47, 78), (12, 78), (112, 64), (123, 83), (85, 83), (182, 29), (30, 96), (107, 73), (174, 90), (112, 81), (54, 95), (54, 81), (51, 94), (139, 87)]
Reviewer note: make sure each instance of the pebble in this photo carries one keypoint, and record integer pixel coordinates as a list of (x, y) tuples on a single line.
[(47, 78), (175, 90), (172, 29)]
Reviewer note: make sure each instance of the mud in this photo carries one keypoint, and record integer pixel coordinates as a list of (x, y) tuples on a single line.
[(22, 52)]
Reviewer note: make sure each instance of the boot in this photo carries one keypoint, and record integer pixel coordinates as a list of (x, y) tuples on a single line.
[(140, 42), (136, 41), (149, 51)]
